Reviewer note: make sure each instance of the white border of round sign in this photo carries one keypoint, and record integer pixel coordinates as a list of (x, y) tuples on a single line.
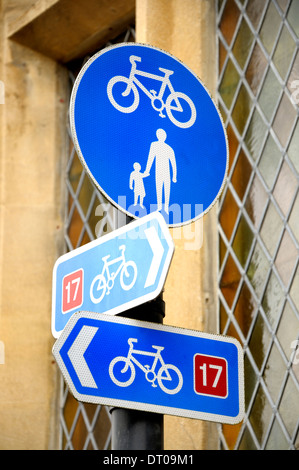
[(78, 149)]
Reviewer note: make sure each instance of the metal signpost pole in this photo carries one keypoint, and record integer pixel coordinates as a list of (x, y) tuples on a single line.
[(134, 429)]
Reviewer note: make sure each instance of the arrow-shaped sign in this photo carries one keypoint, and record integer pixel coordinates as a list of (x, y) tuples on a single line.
[(114, 273), (116, 361)]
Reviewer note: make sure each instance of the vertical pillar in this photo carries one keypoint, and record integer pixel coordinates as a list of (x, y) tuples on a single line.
[(32, 121), (186, 29)]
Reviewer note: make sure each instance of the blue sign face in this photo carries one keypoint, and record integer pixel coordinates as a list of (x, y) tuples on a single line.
[(148, 133), (132, 364), (113, 273)]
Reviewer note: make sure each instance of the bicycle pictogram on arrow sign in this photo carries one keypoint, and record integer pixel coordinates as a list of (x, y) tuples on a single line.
[(103, 283), (168, 376)]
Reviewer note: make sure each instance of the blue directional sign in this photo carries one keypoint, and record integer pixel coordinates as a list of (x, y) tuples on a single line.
[(114, 273), (148, 133), (116, 361)]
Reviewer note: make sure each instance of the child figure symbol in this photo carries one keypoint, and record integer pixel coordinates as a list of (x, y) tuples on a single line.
[(136, 184)]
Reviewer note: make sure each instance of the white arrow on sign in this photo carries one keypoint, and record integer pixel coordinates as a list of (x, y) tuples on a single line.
[(76, 355), (158, 250)]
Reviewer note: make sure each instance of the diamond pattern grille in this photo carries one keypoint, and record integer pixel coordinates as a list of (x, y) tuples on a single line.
[(88, 216), (258, 61)]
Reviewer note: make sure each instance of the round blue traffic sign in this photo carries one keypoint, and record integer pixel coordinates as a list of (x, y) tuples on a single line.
[(148, 133)]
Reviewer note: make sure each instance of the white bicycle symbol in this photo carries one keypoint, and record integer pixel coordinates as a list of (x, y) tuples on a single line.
[(174, 380), (104, 282), (173, 101)]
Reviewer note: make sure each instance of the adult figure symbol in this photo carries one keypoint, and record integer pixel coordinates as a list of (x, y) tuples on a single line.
[(164, 156)]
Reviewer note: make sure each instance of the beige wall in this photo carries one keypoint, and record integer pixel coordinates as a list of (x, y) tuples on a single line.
[(32, 152), (31, 155)]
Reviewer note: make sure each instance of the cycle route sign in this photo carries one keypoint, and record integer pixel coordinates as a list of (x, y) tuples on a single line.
[(148, 133), (114, 273), (116, 361)]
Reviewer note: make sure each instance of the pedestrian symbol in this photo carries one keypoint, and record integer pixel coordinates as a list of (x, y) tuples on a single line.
[(163, 154), (136, 183)]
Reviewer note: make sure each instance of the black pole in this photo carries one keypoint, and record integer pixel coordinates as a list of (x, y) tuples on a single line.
[(134, 429)]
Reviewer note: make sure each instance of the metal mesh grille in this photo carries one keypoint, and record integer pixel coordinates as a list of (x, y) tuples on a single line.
[(88, 216), (258, 214)]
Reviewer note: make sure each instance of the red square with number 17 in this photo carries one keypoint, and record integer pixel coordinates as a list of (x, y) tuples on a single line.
[(210, 375), (72, 291)]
